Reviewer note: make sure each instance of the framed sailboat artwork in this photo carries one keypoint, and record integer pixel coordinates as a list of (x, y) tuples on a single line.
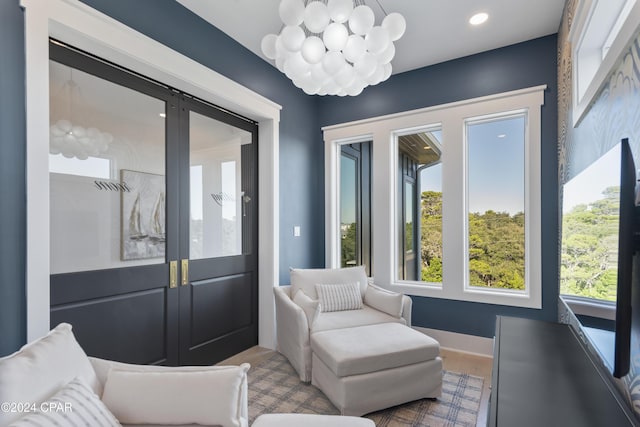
[(143, 225)]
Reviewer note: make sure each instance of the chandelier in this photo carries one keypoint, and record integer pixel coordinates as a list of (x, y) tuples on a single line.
[(72, 140), (332, 47), (76, 141)]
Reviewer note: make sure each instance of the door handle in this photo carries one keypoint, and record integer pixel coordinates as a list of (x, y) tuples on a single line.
[(245, 199), (173, 274), (185, 272)]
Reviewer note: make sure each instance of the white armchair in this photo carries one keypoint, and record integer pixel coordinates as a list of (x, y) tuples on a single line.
[(292, 323)]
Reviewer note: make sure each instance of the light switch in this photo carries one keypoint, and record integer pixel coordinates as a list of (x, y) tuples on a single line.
[(296, 231)]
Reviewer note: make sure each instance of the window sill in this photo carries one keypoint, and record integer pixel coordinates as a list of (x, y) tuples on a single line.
[(590, 307), (507, 298)]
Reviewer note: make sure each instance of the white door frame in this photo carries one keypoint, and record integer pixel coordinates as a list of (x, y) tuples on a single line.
[(77, 24)]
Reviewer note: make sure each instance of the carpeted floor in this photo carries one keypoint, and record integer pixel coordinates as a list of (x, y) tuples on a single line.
[(274, 387)]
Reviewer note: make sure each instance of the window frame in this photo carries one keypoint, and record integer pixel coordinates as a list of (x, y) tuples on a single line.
[(384, 131), (362, 158), (417, 208), (590, 65), (528, 169)]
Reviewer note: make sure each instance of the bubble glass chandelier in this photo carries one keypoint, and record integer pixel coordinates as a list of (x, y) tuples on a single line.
[(333, 47)]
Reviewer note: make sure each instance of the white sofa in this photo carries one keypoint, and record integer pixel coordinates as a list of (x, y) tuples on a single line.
[(292, 324), (51, 381)]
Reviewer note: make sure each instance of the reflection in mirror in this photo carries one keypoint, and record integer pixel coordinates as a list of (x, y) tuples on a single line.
[(95, 167), (589, 249)]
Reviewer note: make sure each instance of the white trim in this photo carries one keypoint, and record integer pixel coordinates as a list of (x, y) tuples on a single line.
[(75, 23), (471, 344), (411, 113), (450, 117), (595, 69), (332, 180), (591, 307)]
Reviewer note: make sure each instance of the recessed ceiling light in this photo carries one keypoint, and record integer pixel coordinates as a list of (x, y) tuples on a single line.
[(502, 135), (478, 18), (163, 115)]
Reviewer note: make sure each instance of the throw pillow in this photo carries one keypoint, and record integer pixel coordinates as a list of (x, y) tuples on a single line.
[(309, 306), (211, 396), (41, 368), (306, 279), (75, 404), (339, 297), (386, 301)]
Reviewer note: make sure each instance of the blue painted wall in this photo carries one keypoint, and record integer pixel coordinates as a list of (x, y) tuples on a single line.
[(514, 67), (301, 174), (301, 150), (12, 178)]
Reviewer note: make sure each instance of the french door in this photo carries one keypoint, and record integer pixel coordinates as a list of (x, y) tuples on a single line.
[(153, 211)]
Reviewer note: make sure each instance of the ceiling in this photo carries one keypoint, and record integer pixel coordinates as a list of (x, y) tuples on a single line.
[(437, 30)]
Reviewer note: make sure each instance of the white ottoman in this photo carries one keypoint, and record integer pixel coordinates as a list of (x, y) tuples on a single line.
[(369, 368)]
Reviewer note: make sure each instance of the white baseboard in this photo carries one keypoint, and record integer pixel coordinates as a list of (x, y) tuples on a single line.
[(479, 346)]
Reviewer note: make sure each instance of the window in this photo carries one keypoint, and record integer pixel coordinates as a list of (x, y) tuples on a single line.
[(601, 31), (95, 167), (495, 202), (420, 171), (355, 205), (456, 196), (408, 232)]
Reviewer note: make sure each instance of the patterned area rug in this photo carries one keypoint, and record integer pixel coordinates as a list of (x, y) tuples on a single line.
[(274, 387)]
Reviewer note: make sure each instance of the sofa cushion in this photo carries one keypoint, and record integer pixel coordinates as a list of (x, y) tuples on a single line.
[(351, 318), (372, 348), (39, 369), (307, 279), (339, 297), (384, 300), (210, 396), (75, 404)]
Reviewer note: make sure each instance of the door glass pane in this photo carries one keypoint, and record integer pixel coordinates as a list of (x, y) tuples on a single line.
[(218, 203), (348, 214), (496, 203), (106, 171)]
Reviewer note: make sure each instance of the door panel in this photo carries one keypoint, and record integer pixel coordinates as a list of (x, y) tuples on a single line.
[(142, 176), (129, 327), (113, 223), (218, 306), (87, 285)]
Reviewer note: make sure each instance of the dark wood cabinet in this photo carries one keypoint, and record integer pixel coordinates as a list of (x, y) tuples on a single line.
[(544, 376)]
